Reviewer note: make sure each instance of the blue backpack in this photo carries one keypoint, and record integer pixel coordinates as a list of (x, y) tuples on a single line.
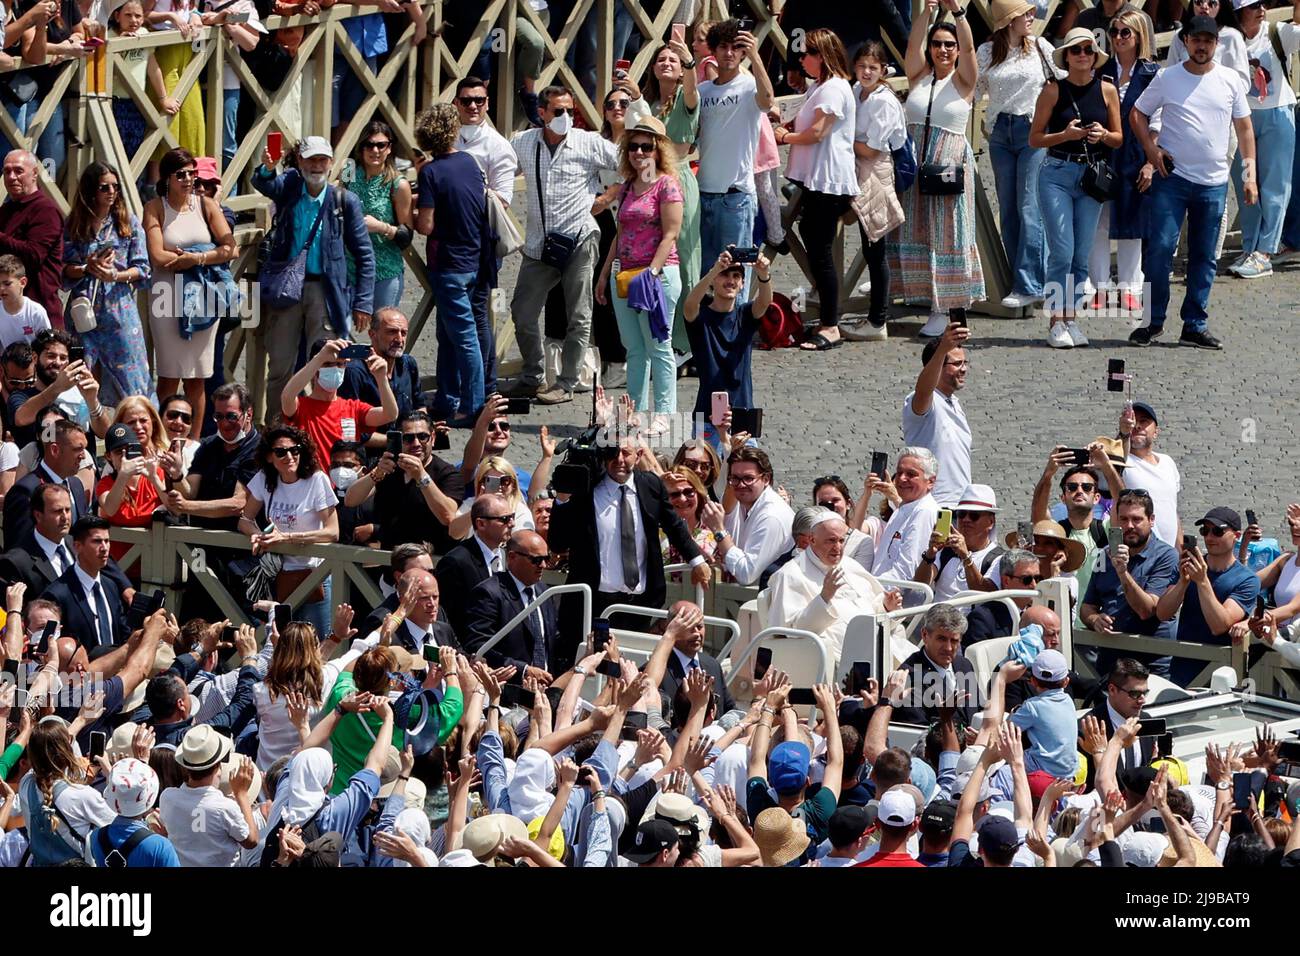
[(904, 165)]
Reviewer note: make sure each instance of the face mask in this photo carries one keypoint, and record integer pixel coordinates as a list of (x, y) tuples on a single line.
[(238, 439), (343, 478), (561, 124), (330, 379), (315, 179), (471, 133)]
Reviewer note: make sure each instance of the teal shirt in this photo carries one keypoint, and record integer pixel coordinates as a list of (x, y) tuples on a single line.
[(304, 215)]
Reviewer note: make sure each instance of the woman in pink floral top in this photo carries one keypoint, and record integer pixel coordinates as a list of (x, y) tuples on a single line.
[(649, 219), (687, 497)]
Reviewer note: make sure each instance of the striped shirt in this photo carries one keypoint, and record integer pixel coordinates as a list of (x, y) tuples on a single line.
[(570, 178)]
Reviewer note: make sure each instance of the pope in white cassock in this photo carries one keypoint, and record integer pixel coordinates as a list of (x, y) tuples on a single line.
[(821, 590)]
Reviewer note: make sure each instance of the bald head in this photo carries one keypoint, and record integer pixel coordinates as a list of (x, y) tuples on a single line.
[(526, 556), (1048, 620), (828, 541), (418, 590), (692, 642)]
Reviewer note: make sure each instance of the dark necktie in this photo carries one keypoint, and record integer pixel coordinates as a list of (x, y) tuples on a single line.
[(539, 639), (104, 624), (694, 665), (62, 559), (627, 540)]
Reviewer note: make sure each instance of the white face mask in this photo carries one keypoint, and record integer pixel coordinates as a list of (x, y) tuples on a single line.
[(315, 179), (343, 478), (561, 124), (471, 133)]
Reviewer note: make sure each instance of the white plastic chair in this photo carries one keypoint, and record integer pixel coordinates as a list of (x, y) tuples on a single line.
[(986, 655)]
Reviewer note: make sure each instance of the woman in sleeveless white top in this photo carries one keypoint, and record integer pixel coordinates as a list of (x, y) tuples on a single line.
[(1283, 576), (938, 262), (176, 220)]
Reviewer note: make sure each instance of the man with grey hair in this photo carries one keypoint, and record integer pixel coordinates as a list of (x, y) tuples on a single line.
[(801, 531), (907, 535), (822, 589), (31, 228), (388, 334), (1020, 571), (937, 672)]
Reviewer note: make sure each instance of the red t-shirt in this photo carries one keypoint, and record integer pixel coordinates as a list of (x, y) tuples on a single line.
[(328, 422), (890, 859), (136, 510)]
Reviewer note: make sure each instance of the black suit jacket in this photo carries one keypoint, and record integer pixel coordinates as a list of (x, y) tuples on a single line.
[(573, 529), (492, 604), (921, 686), (675, 674), (18, 505), (1147, 745), (78, 621), (26, 562), (458, 572), (986, 621), (373, 621)]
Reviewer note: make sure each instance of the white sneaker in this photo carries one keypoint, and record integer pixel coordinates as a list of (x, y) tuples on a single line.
[(934, 326), (1017, 301), (659, 425), (1058, 336), (1076, 333)]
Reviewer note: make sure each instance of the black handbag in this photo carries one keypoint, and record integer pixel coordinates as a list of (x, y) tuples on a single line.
[(1098, 179), (557, 247), (938, 179)]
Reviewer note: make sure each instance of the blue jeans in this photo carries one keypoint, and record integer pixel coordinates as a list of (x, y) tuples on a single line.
[(648, 358), (726, 219), (1261, 224), (1015, 173), (582, 55), (229, 115), (20, 113), (487, 339), (52, 144), (319, 613), (388, 292), (460, 363), (1070, 218), (1291, 225), (1170, 199)]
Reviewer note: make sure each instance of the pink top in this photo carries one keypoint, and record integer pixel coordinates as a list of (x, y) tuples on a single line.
[(766, 156), (639, 229), (702, 68)]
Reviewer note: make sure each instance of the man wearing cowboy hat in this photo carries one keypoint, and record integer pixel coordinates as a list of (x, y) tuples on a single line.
[(1081, 492), (206, 827)]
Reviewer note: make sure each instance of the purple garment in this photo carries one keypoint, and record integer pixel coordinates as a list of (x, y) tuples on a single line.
[(646, 294)]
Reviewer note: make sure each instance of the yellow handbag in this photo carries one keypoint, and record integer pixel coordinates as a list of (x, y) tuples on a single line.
[(623, 281)]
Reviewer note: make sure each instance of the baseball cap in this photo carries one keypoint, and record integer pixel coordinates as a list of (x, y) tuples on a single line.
[(897, 809), (1143, 407), (1050, 665), (787, 767), (117, 437), (1201, 24), (939, 817), (846, 825), (652, 838), (959, 787), (315, 146), (1219, 517), (1039, 781), (1137, 779), (997, 833)]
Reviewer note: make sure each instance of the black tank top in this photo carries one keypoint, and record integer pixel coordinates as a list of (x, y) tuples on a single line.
[(1091, 109)]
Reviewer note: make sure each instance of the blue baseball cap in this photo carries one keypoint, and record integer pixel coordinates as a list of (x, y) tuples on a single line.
[(997, 834), (787, 767), (1143, 407)]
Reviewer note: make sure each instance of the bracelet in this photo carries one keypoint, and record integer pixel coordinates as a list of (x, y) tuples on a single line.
[(959, 14), (769, 710), (403, 777), (496, 707), (764, 279), (598, 794), (927, 559)]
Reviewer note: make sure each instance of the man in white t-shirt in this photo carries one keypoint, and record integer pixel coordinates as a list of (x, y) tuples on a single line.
[(206, 827), (1154, 473), (1198, 99), (905, 538), (20, 317), (731, 111), (934, 419)]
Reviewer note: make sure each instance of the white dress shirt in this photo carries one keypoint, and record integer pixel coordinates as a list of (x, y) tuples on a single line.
[(494, 156), (92, 607), (686, 662), (50, 549), (1132, 757), (491, 558), (608, 500), (905, 538), (760, 535)]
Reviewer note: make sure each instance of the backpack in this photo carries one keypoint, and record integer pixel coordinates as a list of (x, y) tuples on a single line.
[(904, 165), (946, 555), (1279, 51), (115, 857), (781, 326), (1097, 529)]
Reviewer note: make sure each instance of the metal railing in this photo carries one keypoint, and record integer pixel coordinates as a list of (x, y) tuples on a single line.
[(558, 590)]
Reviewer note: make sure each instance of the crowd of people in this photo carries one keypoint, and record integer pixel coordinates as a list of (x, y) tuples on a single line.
[(468, 720)]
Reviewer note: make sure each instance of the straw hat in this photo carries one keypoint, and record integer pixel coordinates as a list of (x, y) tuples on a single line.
[(1074, 38), (1004, 11), (1051, 531), (780, 837), (202, 748)]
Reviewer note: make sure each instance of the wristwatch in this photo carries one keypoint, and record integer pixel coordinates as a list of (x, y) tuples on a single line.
[(1223, 785), (719, 535), (657, 271), (424, 480), (959, 13), (580, 671)]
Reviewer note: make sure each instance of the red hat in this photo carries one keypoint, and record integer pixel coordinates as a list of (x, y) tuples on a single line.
[(1039, 781), (205, 167)]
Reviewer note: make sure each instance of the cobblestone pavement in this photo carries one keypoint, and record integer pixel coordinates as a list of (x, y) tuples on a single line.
[(1228, 418)]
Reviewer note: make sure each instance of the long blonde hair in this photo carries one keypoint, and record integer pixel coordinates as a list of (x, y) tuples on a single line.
[(296, 663), (52, 759), (498, 464), (1138, 24), (135, 402)]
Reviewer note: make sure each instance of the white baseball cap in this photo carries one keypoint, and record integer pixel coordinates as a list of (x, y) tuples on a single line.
[(897, 808), (315, 146)]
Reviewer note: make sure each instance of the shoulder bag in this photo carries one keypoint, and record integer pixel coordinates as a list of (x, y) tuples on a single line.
[(557, 247), (1098, 175), (509, 241), (938, 179), (282, 282)]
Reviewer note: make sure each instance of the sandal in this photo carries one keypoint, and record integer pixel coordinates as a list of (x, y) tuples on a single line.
[(822, 343)]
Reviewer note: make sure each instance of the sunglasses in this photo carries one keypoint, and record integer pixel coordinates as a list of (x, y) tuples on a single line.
[(231, 417), (564, 111), (107, 187), (499, 427), (537, 560), (971, 515), (1124, 33), (1136, 694), (944, 44), (641, 148), (619, 104), (1031, 578), (683, 493), (503, 519), (179, 416), (827, 480), (1079, 486), (471, 100), (1083, 49), (184, 175), (377, 144), (410, 438), (742, 481), (22, 382), (961, 363), (1208, 529), (285, 451)]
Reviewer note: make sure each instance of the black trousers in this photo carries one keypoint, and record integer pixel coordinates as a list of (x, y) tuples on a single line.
[(819, 216), (878, 271)]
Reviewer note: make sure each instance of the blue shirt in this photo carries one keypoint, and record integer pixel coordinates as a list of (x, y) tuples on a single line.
[(1154, 568), (722, 343), (344, 812), (153, 850), (1049, 721), (358, 383), (453, 187), (304, 216), (368, 34), (1238, 583)]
